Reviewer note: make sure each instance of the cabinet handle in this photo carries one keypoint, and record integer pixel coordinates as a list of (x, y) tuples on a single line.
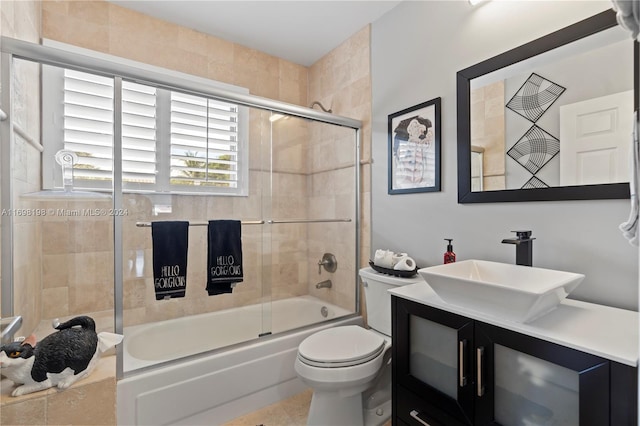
[(462, 350), (414, 414), (479, 358)]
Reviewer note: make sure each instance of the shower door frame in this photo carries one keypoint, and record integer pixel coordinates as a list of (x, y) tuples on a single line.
[(18, 49)]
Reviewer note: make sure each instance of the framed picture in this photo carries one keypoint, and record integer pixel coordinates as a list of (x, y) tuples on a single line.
[(414, 149)]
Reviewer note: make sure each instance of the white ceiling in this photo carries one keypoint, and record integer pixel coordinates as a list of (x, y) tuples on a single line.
[(299, 31)]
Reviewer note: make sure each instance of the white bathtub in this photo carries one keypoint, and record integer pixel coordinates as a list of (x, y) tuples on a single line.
[(216, 387)]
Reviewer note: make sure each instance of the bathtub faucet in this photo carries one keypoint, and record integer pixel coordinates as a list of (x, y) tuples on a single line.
[(324, 284)]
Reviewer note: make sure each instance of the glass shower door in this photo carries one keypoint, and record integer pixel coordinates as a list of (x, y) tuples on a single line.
[(313, 222), (202, 320)]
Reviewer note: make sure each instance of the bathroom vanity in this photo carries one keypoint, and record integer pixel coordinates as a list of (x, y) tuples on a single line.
[(576, 365)]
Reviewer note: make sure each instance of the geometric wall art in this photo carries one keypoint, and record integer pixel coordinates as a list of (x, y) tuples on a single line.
[(534, 97), (534, 182), (534, 149)]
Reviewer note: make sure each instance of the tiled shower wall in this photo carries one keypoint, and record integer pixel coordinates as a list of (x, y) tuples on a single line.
[(21, 20), (341, 80), (296, 249), (125, 33), (487, 122)]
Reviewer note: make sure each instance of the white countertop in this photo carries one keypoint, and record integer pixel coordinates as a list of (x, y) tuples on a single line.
[(603, 331)]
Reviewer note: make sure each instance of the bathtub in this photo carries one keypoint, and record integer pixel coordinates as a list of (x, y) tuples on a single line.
[(222, 384)]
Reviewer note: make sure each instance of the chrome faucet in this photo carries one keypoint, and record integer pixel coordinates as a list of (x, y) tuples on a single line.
[(324, 284), (524, 247)]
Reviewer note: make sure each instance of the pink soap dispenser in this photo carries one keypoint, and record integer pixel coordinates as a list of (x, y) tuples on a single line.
[(449, 256)]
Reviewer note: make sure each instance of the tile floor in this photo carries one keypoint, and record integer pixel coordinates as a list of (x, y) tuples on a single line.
[(290, 412)]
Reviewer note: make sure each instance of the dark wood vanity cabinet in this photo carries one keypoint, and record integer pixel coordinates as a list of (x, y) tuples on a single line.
[(450, 370)]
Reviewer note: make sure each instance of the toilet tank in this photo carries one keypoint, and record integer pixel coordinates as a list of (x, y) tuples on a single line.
[(378, 300)]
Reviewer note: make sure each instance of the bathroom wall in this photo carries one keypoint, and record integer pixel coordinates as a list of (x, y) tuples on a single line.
[(417, 48), (21, 20)]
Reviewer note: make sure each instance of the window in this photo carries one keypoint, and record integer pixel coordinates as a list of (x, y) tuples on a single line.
[(171, 141), (204, 142)]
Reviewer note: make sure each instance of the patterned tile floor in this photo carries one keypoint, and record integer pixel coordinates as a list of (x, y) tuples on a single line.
[(290, 412)]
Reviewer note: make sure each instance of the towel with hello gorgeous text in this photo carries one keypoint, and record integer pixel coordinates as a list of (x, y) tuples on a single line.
[(224, 257), (170, 244)]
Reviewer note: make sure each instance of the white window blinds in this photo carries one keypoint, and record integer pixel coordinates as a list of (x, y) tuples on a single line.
[(88, 128), (138, 133), (171, 141), (204, 141), (88, 124)]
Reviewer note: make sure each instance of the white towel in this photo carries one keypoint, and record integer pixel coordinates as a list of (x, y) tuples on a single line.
[(630, 227), (383, 258), (628, 15)]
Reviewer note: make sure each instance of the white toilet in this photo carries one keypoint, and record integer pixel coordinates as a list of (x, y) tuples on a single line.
[(349, 367)]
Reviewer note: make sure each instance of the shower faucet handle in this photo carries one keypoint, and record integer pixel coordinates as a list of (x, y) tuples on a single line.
[(329, 262)]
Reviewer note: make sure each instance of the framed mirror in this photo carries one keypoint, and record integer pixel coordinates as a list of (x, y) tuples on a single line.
[(551, 119)]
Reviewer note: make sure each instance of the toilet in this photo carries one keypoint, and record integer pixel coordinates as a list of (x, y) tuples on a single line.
[(349, 367)]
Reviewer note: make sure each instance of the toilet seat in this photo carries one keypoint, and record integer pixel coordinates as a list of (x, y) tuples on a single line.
[(341, 347)]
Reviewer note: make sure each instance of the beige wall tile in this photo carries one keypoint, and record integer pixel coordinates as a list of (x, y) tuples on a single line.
[(83, 33), (55, 302), (55, 237), (220, 51), (22, 20), (487, 123), (89, 298), (55, 271), (95, 12), (494, 183), (28, 412), (91, 404), (134, 293), (193, 41)]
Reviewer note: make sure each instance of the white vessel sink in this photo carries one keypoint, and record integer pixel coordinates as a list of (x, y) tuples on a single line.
[(512, 292)]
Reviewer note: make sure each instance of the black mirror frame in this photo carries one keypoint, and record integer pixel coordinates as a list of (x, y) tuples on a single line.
[(584, 28)]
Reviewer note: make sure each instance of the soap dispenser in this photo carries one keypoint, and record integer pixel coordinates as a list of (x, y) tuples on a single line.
[(449, 256)]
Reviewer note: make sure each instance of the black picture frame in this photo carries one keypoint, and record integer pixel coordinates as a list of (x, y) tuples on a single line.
[(414, 148)]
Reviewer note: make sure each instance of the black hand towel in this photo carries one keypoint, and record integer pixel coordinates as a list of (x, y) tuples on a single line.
[(224, 257), (170, 243)]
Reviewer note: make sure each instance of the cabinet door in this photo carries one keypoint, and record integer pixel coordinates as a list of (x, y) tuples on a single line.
[(521, 380), (432, 357)]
